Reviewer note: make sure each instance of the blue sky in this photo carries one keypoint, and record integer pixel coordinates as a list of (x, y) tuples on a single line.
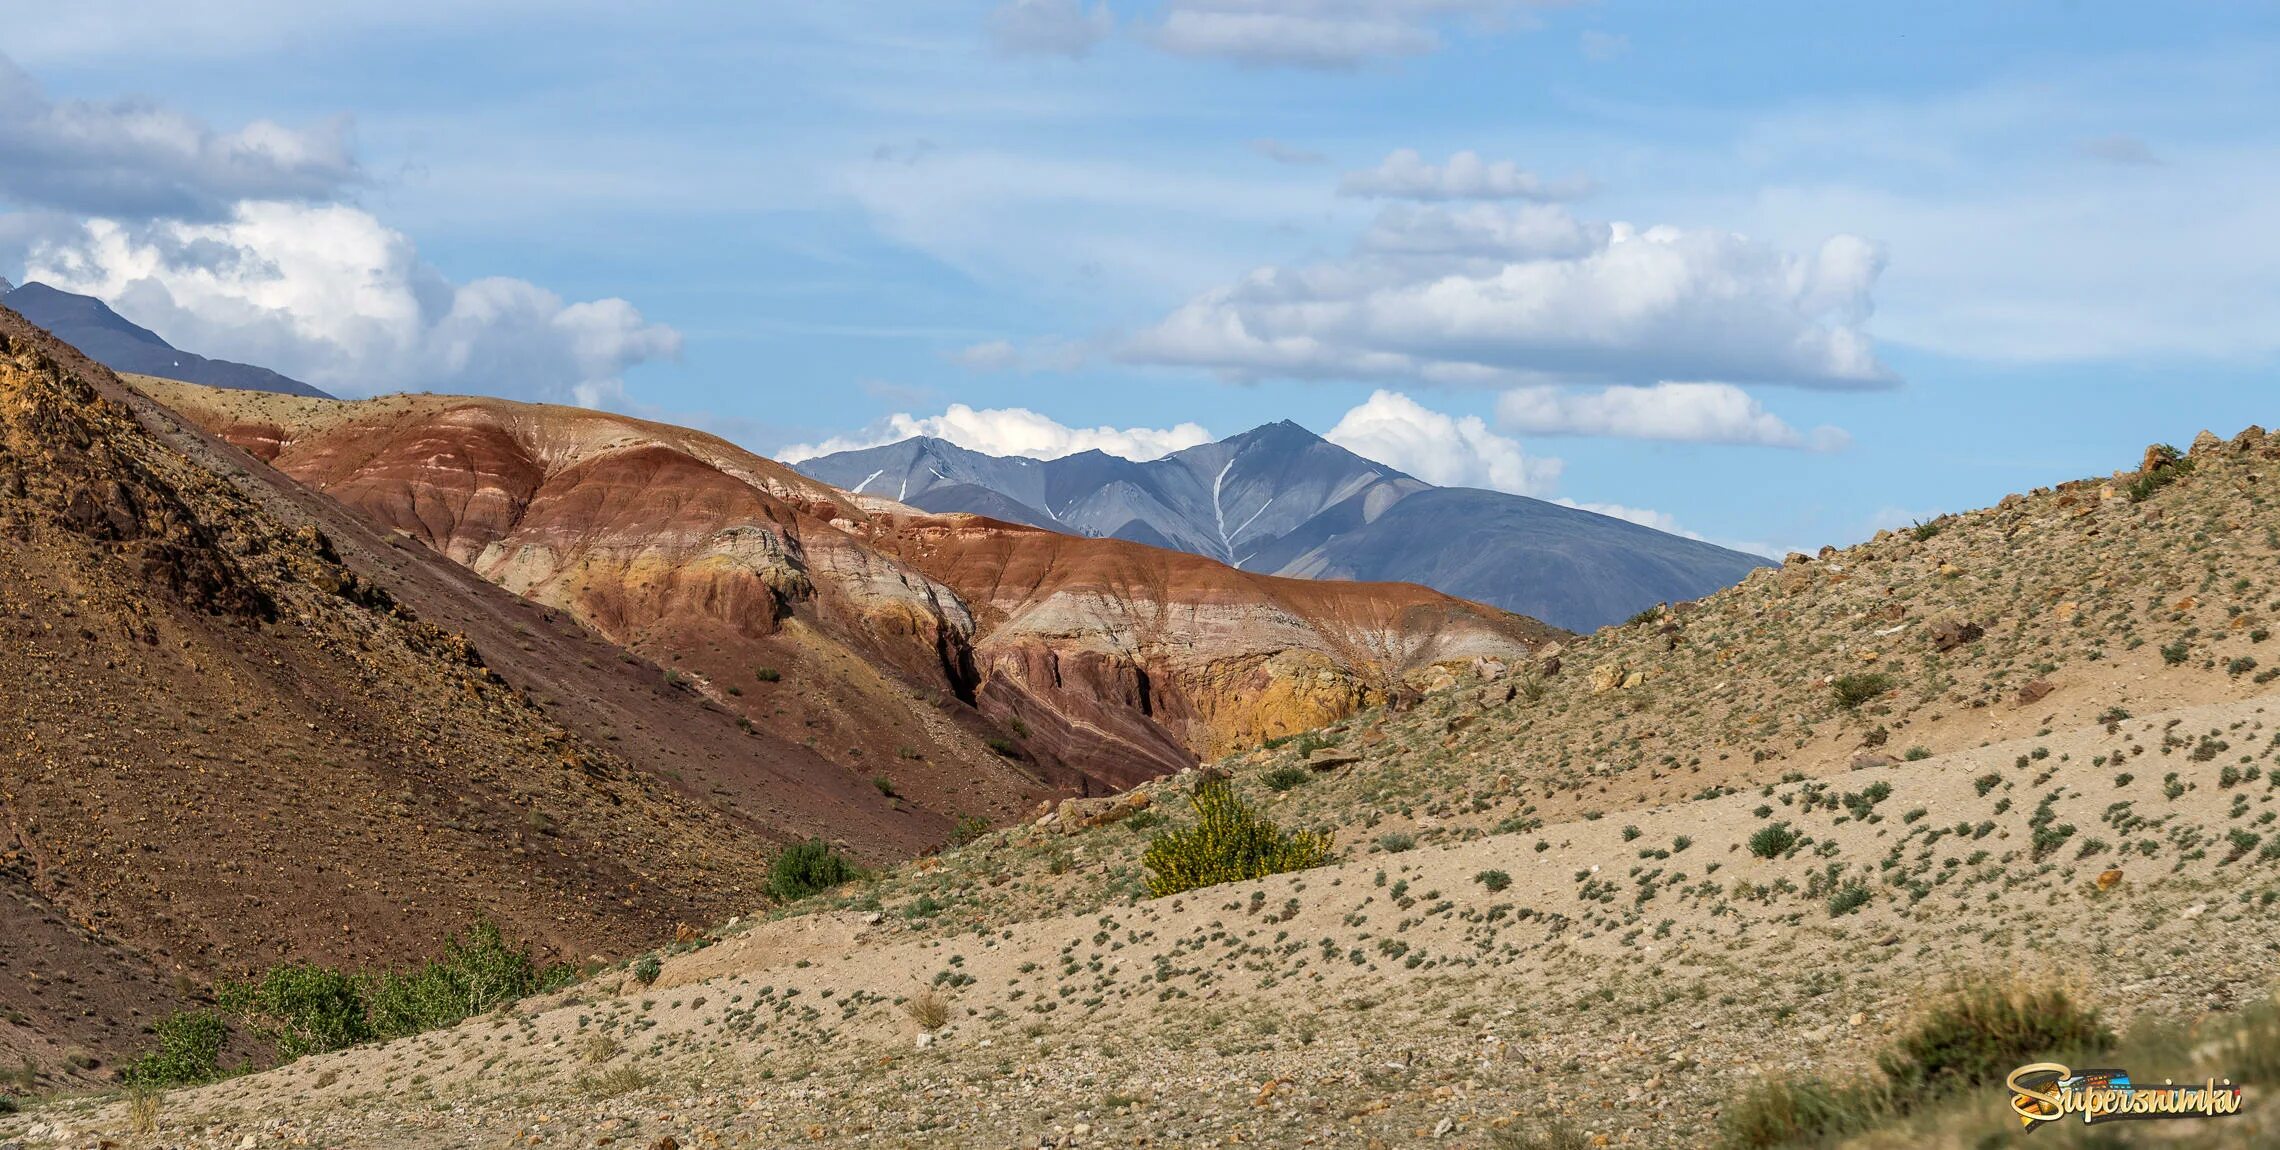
[(1775, 275)]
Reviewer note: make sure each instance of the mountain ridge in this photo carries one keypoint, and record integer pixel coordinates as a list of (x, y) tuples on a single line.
[(105, 336), (1282, 500)]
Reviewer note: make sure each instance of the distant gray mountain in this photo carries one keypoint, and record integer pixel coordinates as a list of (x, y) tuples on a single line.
[(1282, 500), (108, 338)]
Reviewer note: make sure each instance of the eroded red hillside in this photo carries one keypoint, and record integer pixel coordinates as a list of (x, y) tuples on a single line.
[(1096, 663)]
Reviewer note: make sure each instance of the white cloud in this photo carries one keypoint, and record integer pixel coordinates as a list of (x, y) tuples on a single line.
[(1532, 297), (1450, 451), (1049, 27), (1405, 175), (1686, 412), (1313, 33), (1009, 431), (135, 159), (330, 295)]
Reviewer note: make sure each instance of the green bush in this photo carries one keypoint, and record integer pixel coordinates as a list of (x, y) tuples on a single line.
[(647, 968), (1980, 1032), (967, 829), (189, 1050), (1773, 841), (1781, 1112), (1229, 843), (768, 674), (807, 868), (1855, 689), (1494, 880), (2168, 466), (301, 1008), (1849, 898), (1285, 778), (476, 973), (2176, 652)]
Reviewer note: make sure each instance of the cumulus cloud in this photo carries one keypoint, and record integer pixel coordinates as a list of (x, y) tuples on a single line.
[(1312, 33), (1049, 27), (1009, 431), (134, 159), (1450, 451), (1684, 412), (1405, 175), (328, 294), (1526, 294)]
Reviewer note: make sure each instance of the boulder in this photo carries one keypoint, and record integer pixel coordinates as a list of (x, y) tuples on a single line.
[(1330, 759), (2035, 692), (1950, 633), (1606, 677)]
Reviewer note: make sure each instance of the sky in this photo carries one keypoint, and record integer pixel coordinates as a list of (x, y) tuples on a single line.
[(1773, 275)]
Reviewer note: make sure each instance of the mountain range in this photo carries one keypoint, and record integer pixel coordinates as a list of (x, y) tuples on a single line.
[(110, 339), (1282, 500)]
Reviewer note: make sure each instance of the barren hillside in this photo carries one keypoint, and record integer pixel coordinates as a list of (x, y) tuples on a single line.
[(1695, 853), (1096, 663)]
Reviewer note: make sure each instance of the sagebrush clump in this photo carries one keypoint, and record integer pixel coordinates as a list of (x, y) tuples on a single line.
[(1230, 842)]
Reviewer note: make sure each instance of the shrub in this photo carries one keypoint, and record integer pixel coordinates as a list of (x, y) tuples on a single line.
[(476, 973), (1980, 1032), (1773, 841), (806, 868), (1855, 689), (929, 1009), (1229, 843), (1285, 778), (647, 968), (884, 785), (302, 1008), (2167, 465), (2176, 653), (1851, 897), (1494, 880), (768, 674), (1923, 531), (967, 829), (1395, 842), (1779, 1112), (1917, 754), (2240, 666), (189, 1050)]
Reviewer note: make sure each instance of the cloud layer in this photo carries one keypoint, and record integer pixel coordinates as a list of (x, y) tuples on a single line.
[(1684, 412), (1450, 451), (1008, 431), (1530, 294), (1313, 33), (328, 294), (135, 159), (1405, 175), (1049, 27)]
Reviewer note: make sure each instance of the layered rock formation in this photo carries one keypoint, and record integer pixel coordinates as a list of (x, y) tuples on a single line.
[(1092, 663)]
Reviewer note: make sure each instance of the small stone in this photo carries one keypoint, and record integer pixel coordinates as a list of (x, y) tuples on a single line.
[(1858, 1019)]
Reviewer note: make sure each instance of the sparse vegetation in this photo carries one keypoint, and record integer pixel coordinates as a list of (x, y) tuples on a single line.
[(186, 1049), (1228, 843), (806, 868), (1858, 688), (1773, 841)]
